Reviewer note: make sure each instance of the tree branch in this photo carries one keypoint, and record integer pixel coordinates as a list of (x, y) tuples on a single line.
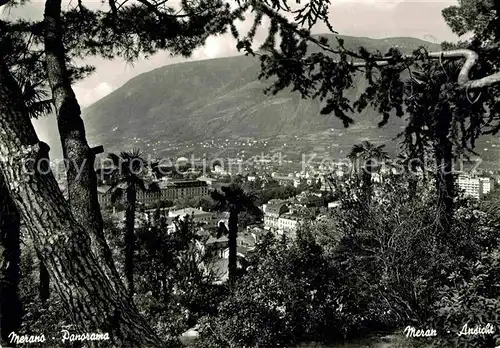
[(112, 6), (97, 150), (463, 80), (154, 8)]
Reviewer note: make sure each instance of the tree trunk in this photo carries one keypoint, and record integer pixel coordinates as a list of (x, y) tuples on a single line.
[(233, 248), (445, 183), (44, 283), (413, 181), (496, 23), (130, 238), (10, 304), (412, 186), (367, 191), (79, 157), (91, 300), (367, 186)]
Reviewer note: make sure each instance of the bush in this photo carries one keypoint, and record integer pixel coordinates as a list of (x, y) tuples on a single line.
[(470, 293), (290, 294), (174, 289)]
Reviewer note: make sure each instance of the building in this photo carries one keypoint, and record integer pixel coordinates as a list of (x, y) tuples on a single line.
[(332, 205), (241, 252), (487, 185), (285, 218), (289, 224), (173, 190), (257, 233), (251, 178), (216, 246), (210, 181), (272, 211), (164, 191), (198, 216), (219, 170), (326, 183), (104, 195), (188, 188), (475, 186), (287, 181)]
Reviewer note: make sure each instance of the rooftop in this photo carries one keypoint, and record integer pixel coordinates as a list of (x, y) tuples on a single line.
[(285, 178), (164, 184), (213, 240), (205, 178), (187, 211), (185, 183), (274, 206), (103, 188)]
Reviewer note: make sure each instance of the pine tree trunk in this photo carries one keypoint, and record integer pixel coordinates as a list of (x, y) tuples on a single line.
[(91, 300), (130, 238), (10, 304), (44, 283), (79, 157), (233, 248), (445, 183)]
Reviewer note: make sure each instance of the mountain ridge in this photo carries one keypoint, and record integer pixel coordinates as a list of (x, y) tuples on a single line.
[(223, 98)]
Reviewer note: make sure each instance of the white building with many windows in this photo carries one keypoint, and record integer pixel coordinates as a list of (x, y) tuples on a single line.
[(272, 211), (475, 186), (289, 224), (168, 190)]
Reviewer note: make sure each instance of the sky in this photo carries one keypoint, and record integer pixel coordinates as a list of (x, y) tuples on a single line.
[(369, 18)]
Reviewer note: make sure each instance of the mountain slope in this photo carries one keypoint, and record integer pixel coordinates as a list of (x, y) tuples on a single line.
[(222, 98)]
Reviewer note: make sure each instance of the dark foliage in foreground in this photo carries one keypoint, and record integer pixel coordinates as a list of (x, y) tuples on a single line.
[(387, 273)]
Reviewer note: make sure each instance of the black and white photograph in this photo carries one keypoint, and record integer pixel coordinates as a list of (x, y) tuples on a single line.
[(250, 173)]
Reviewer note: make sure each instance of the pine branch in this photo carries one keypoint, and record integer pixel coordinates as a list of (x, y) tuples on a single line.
[(463, 77), (471, 58)]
